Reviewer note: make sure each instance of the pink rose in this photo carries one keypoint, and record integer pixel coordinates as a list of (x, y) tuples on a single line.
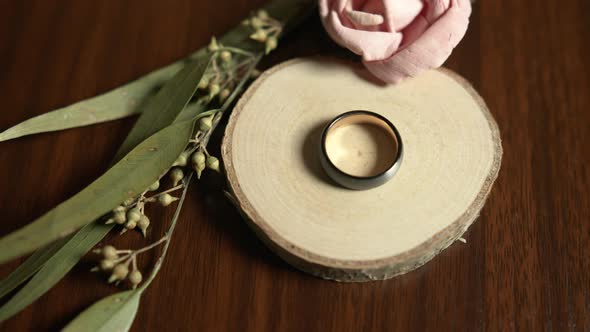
[(397, 38)]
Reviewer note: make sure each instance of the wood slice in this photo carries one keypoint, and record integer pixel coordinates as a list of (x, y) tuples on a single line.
[(452, 154)]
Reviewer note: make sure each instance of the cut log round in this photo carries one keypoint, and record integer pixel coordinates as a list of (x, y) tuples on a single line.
[(452, 154)]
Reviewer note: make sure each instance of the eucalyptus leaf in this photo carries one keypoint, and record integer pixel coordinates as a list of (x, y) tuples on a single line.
[(113, 313), (126, 179), (29, 267), (116, 104), (55, 268), (163, 109), (128, 99)]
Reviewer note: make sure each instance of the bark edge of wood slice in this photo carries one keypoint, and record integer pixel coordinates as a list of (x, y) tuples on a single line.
[(331, 245)]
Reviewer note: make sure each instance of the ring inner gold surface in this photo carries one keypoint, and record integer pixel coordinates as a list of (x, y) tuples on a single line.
[(361, 145)]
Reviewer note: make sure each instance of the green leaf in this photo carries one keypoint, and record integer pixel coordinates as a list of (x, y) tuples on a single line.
[(130, 176), (113, 313), (128, 99), (127, 179), (29, 267), (116, 104), (55, 268), (168, 103)]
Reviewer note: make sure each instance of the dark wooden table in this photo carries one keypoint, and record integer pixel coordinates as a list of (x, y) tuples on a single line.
[(526, 265)]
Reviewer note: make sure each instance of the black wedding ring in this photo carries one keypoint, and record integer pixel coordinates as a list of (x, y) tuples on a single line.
[(361, 150)]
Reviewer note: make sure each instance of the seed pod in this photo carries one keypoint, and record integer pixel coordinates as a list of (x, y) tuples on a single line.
[(131, 224), (213, 163), (213, 46), (256, 23), (120, 272), (213, 90), (107, 264), (262, 14), (143, 224), (223, 95), (203, 83), (128, 201), (133, 215), (119, 208), (135, 278), (225, 56), (205, 123), (119, 217), (154, 186), (181, 160), (198, 158), (199, 168), (109, 252), (246, 22), (271, 44), (166, 199), (176, 175), (259, 35)]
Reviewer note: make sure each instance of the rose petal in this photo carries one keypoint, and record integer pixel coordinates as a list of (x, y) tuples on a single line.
[(371, 45), (414, 30), (374, 7), (363, 18), (430, 50), (400, 13), (434, 9)]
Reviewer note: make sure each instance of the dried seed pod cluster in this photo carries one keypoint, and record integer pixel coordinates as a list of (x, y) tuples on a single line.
[(121, 265), (229, 66), (201, 160), (266, 29), (196, 155), (131, 214)]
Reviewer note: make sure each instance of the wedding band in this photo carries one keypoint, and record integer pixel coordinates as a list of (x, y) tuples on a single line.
[(361, 150)]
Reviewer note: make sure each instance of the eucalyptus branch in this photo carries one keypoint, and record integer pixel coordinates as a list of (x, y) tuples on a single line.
[(157, 138), (119, 265), (131, 214)]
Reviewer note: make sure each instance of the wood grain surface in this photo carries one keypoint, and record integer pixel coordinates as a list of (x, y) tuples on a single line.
[(526, 264)]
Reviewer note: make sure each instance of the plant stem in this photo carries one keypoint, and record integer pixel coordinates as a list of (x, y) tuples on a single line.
[(155, 244), (236, 50), (150, 199), (168, 235)]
